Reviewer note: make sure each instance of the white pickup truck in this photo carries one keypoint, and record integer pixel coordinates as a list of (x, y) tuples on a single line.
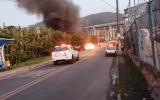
[(64, 53)]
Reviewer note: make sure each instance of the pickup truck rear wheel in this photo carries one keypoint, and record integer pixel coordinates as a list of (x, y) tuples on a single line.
[(106, 54), (72, 60), (115, 55), (77, 58), (55, 63)]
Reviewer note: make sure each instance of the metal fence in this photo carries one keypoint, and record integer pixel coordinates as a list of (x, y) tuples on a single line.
[(139, 38)]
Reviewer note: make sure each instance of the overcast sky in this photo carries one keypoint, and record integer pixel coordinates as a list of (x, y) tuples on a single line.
[(10, 14)]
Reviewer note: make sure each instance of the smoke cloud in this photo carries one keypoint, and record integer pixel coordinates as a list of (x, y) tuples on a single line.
[(60, 15)]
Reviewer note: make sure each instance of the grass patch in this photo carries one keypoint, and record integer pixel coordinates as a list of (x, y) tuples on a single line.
[(138, 79), (27, 63), (119, 89), (135, 74)]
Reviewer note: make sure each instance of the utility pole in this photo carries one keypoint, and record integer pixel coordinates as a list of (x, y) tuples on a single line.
[(137, 34), (151, 34), (118, 29)]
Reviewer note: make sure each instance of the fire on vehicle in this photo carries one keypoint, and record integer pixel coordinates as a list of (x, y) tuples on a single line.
[(89, 46)]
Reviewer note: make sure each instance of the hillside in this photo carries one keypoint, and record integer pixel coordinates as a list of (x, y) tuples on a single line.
[(38, 24), (94, 19), (100, 18)]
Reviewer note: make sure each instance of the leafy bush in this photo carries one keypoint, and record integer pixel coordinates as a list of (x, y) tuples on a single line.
[(101, 40), (31, 43), (94, 39), (76, 40)]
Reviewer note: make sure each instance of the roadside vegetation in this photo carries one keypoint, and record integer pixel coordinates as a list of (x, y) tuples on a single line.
[(119, 89), (135, 74), (101, 40), (139, 83), (132, 84), (31, 45)]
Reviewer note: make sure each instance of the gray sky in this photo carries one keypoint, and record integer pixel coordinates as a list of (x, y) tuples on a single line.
[(10, 14)]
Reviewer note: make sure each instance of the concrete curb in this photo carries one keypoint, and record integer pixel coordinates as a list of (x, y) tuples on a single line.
[(119, 97), (114, 73), (24, 69), (110, 93)]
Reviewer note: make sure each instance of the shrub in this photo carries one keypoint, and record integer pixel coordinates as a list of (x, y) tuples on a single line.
[(31, 43)]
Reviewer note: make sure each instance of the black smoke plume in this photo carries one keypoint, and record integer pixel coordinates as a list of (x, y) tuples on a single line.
[(60, 15)]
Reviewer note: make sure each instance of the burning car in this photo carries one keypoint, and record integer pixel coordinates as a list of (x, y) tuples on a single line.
[(89, 46)]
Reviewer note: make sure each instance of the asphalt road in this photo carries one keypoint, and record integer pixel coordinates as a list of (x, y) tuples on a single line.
[(86, 79)]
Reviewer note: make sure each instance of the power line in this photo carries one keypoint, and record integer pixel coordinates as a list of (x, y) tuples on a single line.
[(109, 5)]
